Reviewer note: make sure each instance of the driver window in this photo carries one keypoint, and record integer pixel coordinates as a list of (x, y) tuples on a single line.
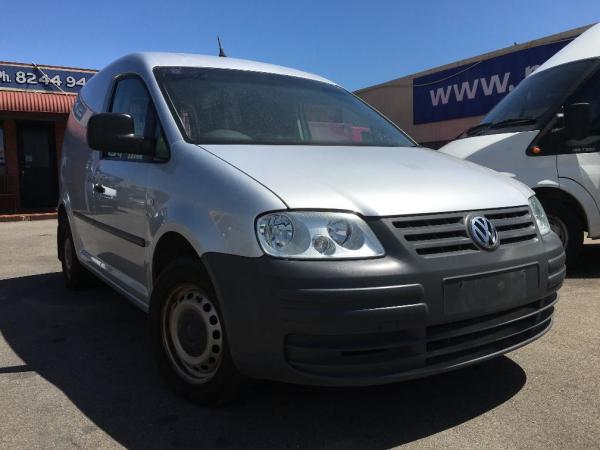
[(590, 93), (557, 141), (131, 97)]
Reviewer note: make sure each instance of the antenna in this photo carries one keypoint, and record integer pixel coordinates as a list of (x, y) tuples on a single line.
[(221, 52)]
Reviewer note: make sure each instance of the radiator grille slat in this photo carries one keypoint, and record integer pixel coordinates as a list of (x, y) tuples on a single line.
[(515, 232), (445, 234), (427, 223), (434, 243)]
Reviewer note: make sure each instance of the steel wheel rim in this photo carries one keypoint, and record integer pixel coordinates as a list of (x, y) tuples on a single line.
[(559, 227), (192, 334)]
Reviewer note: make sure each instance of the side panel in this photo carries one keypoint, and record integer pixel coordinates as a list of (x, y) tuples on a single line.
[(207, 201), (583, 167), (76, 179), (586, 201)]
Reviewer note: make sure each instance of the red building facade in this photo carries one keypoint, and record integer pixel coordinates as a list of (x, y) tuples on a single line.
[(35, 102)]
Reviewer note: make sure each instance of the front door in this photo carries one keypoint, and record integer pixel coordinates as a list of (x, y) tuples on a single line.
[(579, 160), (120, 182), (37, 165)]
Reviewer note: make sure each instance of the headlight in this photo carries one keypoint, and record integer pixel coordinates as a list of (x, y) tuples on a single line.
[(540, 215), (313, 235)]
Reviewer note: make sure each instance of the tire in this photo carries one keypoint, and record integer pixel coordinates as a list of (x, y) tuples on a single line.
[(567, 224), (188, 335), (75, 275)]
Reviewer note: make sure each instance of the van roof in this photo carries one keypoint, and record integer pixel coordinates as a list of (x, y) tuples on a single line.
[(586, 45), (157, 59)]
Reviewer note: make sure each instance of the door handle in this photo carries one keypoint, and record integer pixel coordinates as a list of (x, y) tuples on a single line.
[(99, 188)]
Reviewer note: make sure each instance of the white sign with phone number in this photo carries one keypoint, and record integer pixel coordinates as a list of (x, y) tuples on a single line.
[(34, 78)]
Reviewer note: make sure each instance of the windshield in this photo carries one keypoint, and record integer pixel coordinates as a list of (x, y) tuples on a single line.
[(222, 106), (533, 97)]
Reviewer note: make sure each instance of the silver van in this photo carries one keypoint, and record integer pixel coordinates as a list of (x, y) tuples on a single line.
[(275, 226)]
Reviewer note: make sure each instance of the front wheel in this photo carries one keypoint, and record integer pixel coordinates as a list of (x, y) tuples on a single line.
[(188, 335), (568, 226)]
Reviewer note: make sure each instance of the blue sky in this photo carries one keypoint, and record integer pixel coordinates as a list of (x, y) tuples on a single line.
[(356, 43)]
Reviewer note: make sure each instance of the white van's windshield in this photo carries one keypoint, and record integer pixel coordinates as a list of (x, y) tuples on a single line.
[(223, 106), (533, 97)]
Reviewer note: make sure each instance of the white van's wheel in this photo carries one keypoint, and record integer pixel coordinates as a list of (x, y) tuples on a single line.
[(189, 337), (565, 222)]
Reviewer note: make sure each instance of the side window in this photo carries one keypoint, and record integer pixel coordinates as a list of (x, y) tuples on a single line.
[(590, 93), (131, 97), (556, 140)]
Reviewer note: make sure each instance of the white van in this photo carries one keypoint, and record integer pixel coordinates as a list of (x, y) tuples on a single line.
[(546, 133)]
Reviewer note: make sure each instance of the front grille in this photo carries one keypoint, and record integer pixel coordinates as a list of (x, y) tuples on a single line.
[(419, 349), (442, 234)]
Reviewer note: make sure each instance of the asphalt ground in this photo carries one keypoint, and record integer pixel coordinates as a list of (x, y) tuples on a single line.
[(76, 371)]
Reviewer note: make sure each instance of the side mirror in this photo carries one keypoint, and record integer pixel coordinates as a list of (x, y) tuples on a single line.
[(578, 120), (115, 132)]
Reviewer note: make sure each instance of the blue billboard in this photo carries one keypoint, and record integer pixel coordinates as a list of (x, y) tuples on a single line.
[(42, 79), (474, 89)]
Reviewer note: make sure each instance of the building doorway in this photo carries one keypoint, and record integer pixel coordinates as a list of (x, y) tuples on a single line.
[(38, 174)]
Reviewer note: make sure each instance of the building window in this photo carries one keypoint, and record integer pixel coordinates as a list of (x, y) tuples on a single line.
[(2, 157)]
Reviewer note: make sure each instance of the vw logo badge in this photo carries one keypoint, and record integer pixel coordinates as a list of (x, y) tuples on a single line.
[(483, 233)]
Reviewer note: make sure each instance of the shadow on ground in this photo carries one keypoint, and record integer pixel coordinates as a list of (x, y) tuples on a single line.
[(94, 347), (588, 264)]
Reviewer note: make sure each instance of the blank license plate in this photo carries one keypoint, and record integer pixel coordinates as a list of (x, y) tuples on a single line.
[(489, 291)]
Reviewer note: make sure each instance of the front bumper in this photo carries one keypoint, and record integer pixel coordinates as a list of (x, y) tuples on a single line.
[(376, 321)]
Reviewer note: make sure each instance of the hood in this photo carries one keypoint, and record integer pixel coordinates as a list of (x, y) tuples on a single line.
[(373, 181), (503, 152)]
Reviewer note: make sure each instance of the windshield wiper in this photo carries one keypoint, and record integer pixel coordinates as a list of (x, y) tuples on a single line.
[(477, 128), (514, 121)]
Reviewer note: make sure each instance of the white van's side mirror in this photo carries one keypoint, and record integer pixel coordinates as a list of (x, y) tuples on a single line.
[(578, 120)]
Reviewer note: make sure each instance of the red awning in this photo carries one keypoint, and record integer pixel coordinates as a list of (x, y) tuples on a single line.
[(16, 101)]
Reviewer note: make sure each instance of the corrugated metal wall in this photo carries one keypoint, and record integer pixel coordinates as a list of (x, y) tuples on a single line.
[(36, 102)]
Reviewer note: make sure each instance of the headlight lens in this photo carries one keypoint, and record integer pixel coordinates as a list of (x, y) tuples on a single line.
[(314, 235), (277, 230), (540, 215), (339, 230)]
